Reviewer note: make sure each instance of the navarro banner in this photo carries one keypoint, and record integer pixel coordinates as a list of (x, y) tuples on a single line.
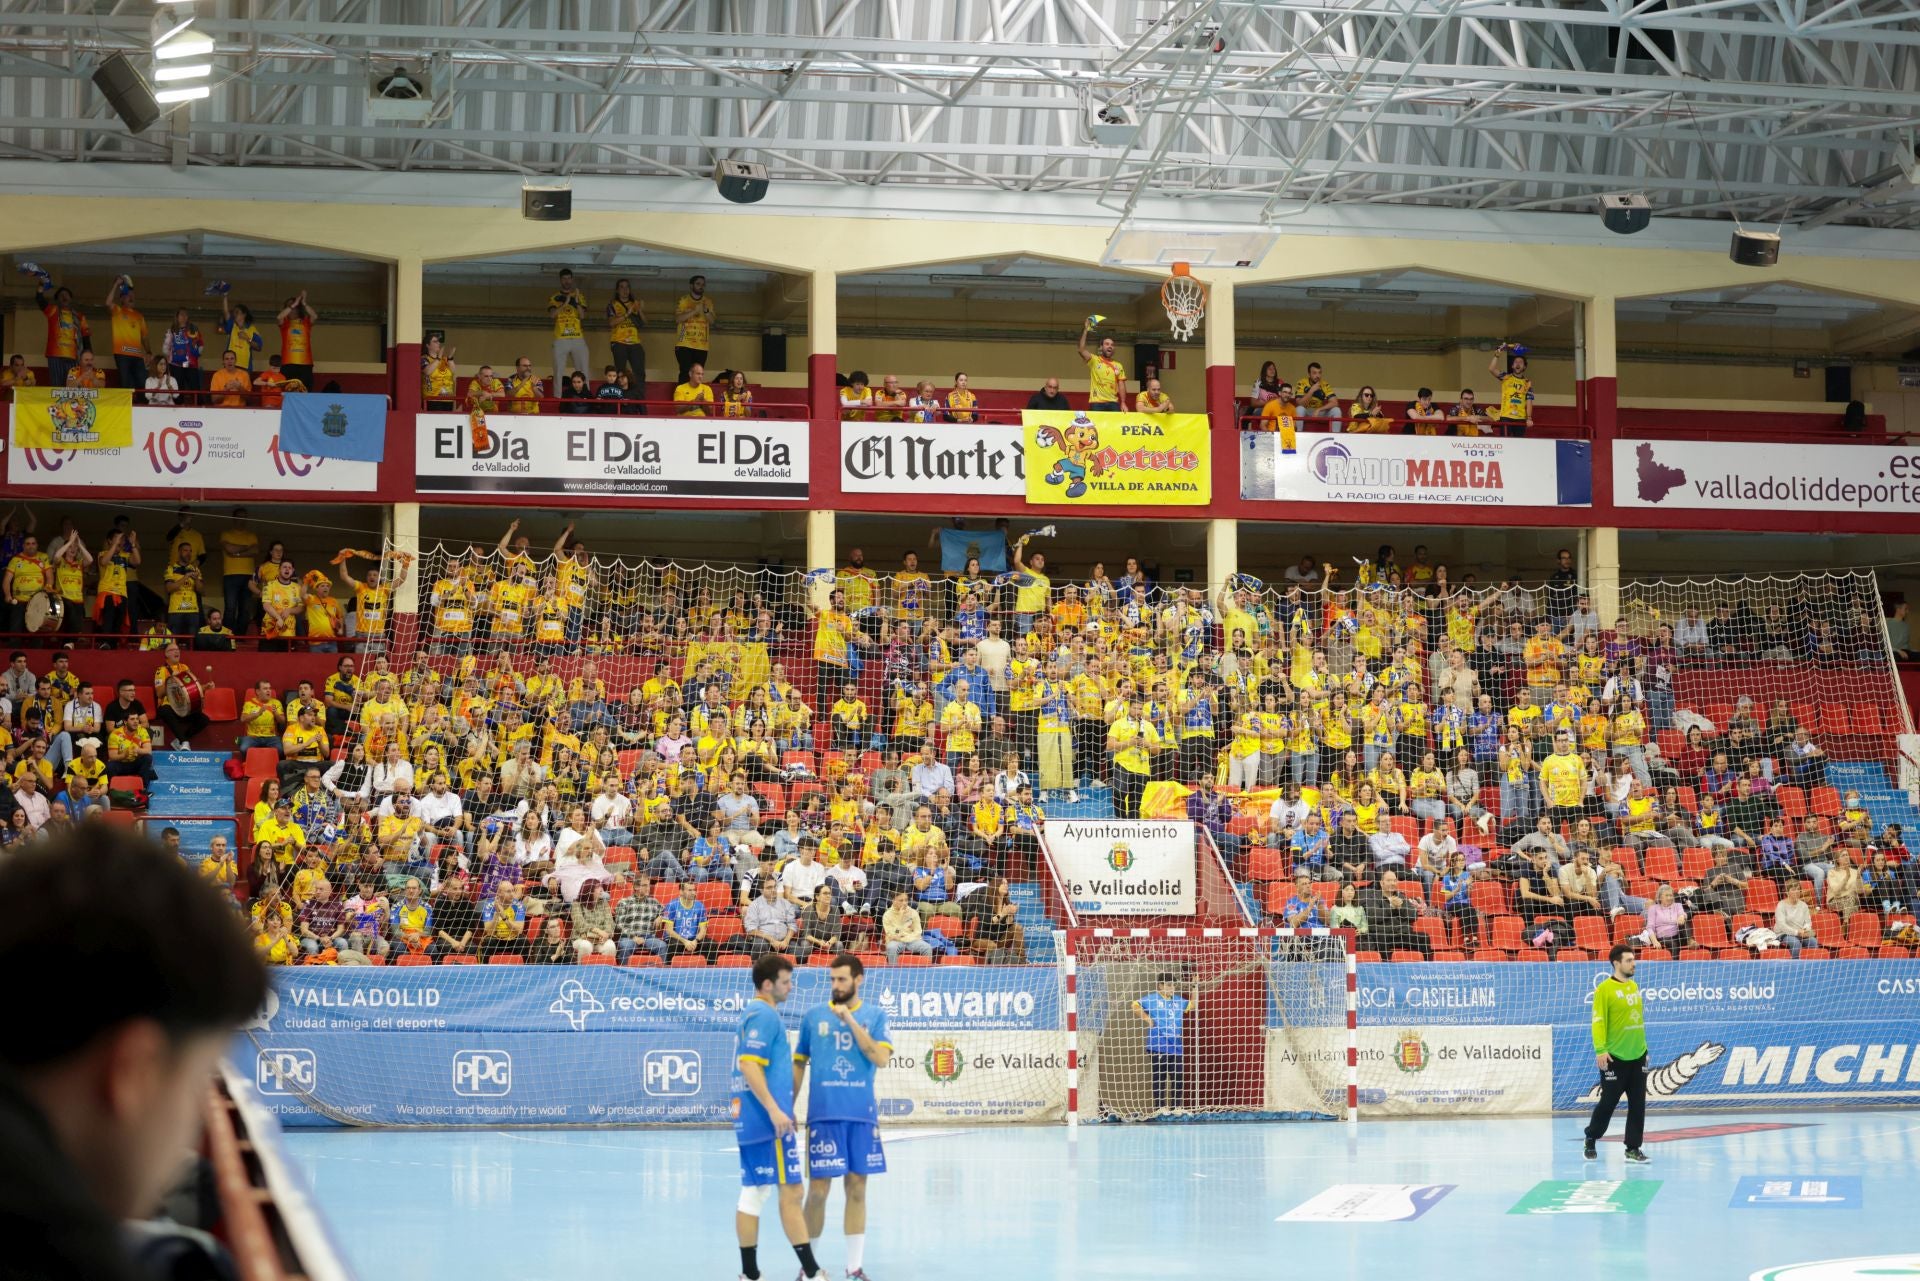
[(72, 418), (1458, 471), (206, 450), (645, 457), (335, 426), (1740, 476), (1123, 867), (1117, 459)]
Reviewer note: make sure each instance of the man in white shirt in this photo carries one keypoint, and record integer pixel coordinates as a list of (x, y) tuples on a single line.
[(1436, 847), (1582, 622), (1291, 810), (995, 653), (1690, 636), (28, 796), (439, 812), (80, 719), (612, 813), (930, 777), (1305, 574), (803, 877), (1457, 678)]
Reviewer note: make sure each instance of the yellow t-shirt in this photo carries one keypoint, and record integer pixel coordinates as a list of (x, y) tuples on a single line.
[(129, 332), (1104, 377), (830, 637), (29, 575), (303, 744), (623, 319), (961, 721), (567, 320), (695, 398), (1033, 594), (1564, 778), (1131, 740), (693, 321), (247, 559)]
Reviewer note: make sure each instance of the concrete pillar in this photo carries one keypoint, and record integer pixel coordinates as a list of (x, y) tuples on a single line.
[(821, 548), (1603, 572), (1223, 554), (403, 528), (823, 397)]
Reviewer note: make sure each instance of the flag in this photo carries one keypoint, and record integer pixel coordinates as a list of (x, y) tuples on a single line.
[(72, 418), (957, 546), (332, 426)]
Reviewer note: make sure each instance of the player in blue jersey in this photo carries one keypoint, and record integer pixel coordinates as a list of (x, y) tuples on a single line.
[(1165, 1013), (763, 1121), (845, 1043)]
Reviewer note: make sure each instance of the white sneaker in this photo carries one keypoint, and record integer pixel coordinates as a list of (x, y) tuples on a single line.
[(1615, 912)]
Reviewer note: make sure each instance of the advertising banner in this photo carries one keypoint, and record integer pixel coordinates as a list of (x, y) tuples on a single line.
[(1414, 1070), (72, 418), (1117, 459), (1122, 867), (956, 458), (633, 457), (203, 449), (1741, 475), (1458, 471), (600, 1045)]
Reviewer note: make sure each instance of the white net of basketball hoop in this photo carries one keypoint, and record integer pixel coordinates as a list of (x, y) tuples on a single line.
[(1185, 300)]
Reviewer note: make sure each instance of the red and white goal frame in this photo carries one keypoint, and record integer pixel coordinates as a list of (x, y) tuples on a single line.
[(1076, 938)]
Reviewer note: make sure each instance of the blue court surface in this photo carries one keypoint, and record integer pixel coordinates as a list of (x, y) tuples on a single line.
[(1150, 1201)]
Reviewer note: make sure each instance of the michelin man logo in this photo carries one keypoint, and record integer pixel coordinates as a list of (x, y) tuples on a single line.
[(576, 1004), (1669, 1079), (262, 1021)]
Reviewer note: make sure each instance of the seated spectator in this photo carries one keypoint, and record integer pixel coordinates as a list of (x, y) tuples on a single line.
[(1844, 885), (1667, 924), (1580, 886), (1793, 920), (591, 918), (1368, 416), (1537, 890), (1347, 913), (1301, 911), (1049, 397), (821, 926), (503, 923), (903, 930), (995, 932)]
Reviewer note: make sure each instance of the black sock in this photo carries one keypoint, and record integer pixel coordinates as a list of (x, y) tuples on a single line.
[(750, 1262), (807, 1266)]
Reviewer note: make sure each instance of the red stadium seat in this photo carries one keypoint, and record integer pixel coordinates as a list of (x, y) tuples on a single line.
[(1654, 954), (1710, 930), (1367, 958), (1590, 933), (1629, 860), (1792, 799), (1864, 929), (1776, 954), (629, 760), (1508, 933), (1895, 951), (642, 960), (1762, 895), (1264, 863), (1866, 719), (960, 959), (1662, 863), (1402, 956), (249, 792), (1530, 954), (1489, 954), (1449, 954), (454, 958), (1489, 897), (723, 929), (1572, 954), (1735, 954), (1689, 798), (1827, 928), (909, 958), (1854, 953), (717, 896), (1696, 954), (690, 962), (1628, 924), (794, 757), (506, 958), (773, 798), (412, 958), (736, 961), (1695, 863), (219, 705), (1815, 954), (1434, 928), (594, 958), (1407, 828), (1824, 801), (261, 762), (1834, 719), (664, 892)]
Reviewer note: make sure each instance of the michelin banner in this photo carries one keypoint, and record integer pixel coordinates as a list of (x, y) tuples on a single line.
[(1481, 471), (596, 1045), (1122, 867)]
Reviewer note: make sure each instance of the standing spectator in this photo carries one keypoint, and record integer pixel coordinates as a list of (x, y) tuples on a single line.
[(67, 330), (693, 319), (1563, 588), (626, 317), (240, 558), (297, 320), (242, 339), (27, 574), (180, 347), (567, 308), (1105, 374), (129, 330), (1513, 411)]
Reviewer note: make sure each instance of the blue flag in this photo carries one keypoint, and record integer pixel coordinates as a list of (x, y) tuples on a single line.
[(957, 545), (351, 427)]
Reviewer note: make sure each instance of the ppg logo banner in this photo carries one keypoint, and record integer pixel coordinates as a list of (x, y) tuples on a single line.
[(670, 1073), (483, 1073)]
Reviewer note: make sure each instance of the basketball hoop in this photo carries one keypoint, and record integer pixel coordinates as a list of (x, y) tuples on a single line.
[(1185, 300)]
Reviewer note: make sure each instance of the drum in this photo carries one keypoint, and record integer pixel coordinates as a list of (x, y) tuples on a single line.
[(45, 612), (183, 694)]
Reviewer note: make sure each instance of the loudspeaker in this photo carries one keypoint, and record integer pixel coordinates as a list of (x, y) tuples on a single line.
[(741, 182), (1756, 249), (1625, 213), (546, 204), (127, 92), (1839, 384), (1144, 354), (773, 351)]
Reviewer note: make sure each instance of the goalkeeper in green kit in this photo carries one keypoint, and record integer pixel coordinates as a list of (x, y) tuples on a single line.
[(1620, 1046)]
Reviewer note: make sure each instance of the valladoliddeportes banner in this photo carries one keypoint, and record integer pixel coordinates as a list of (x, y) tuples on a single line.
[(1117, 459), (72, 418)]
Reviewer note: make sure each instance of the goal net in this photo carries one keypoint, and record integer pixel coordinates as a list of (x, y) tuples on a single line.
[(1210, 1023)]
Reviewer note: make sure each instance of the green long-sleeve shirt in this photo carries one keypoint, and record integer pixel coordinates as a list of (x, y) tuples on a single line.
[(1619, 1019)]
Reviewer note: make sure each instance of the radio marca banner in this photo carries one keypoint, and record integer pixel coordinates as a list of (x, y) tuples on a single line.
[(632, 457), (1732, 476), (1461, 471), (1117, 459), (72, 418), (1122, 867), (204, 450)]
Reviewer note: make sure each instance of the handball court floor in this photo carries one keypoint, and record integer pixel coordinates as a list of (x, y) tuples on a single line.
[(1152, 1201)]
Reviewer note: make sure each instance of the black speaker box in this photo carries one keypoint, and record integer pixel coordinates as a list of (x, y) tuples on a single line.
[(1756, 249), (546, 204), (127, 92), (740, 182)]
